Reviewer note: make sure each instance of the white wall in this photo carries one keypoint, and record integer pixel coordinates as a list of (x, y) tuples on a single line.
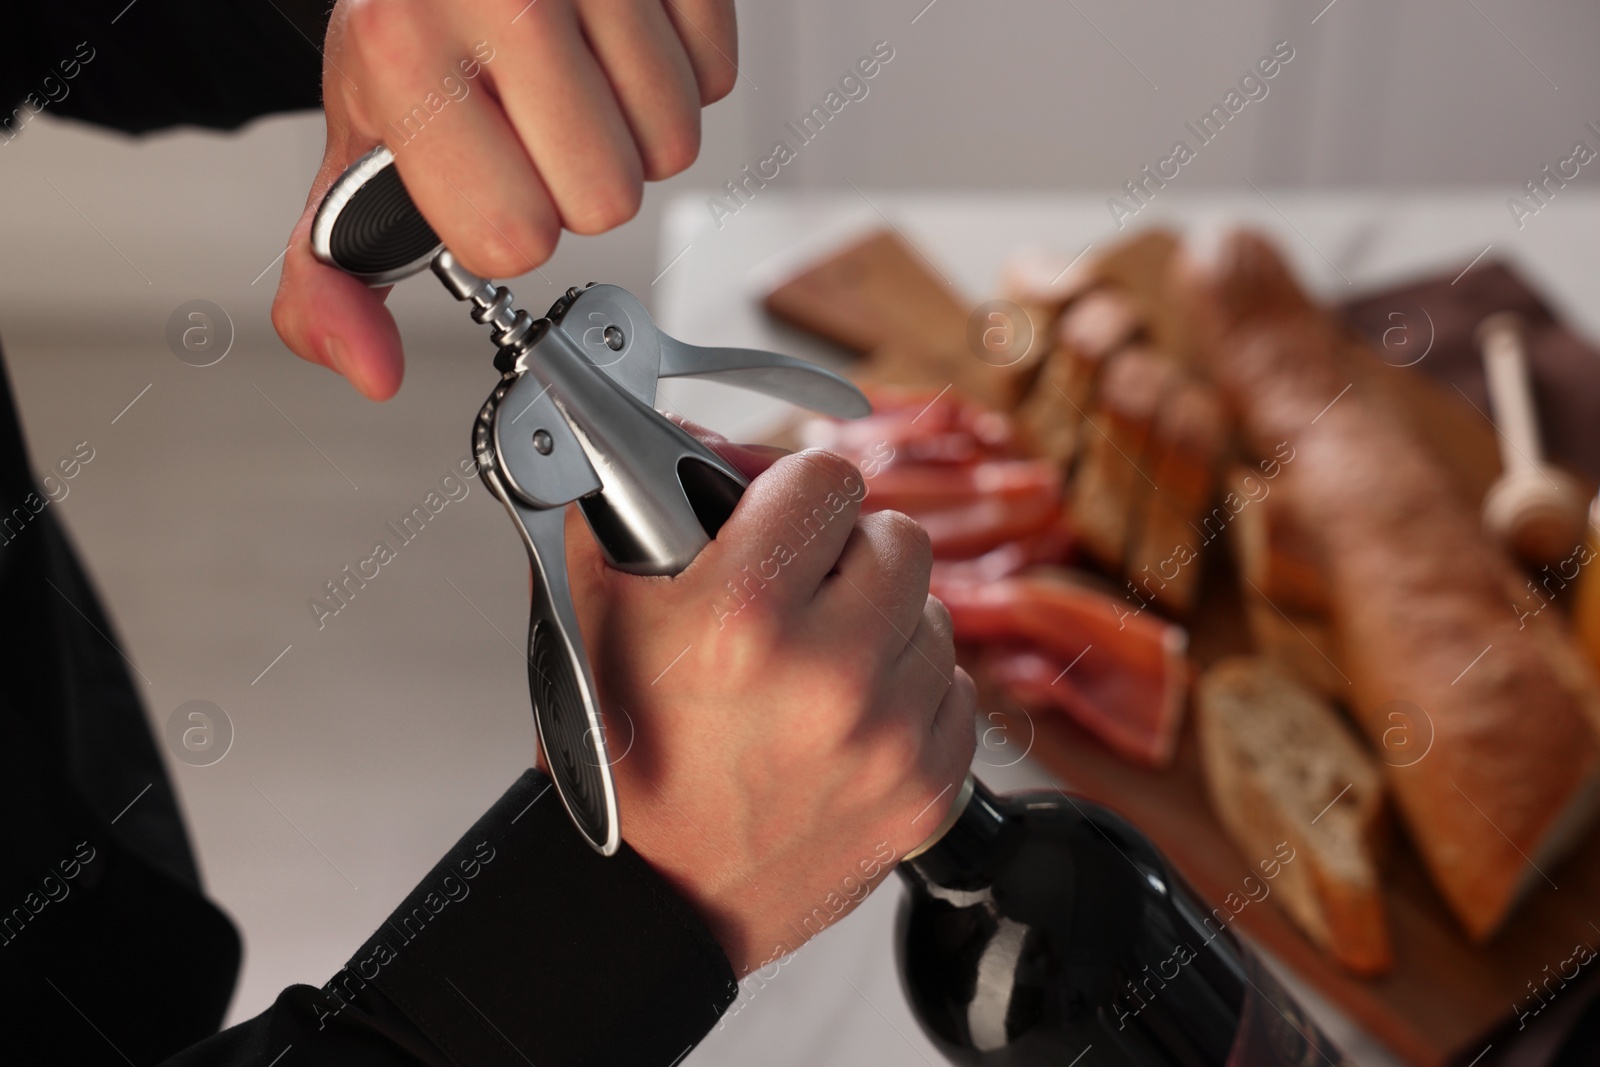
[(1022, 93), (1003, 94)]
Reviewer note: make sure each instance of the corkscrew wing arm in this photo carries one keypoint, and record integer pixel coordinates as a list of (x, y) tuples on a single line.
[(784, 377)]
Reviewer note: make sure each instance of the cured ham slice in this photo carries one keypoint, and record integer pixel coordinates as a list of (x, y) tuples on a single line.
[(1052, 545), (972, 509), (1119, 673), (950, 465), (985, 523), (913, 487), (918, 426)]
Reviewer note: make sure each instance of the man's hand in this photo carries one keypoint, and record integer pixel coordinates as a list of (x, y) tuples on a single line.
[(786, 718), (509, 120)]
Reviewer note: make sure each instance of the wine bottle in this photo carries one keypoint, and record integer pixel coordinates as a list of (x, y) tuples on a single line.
[(1043, 929)]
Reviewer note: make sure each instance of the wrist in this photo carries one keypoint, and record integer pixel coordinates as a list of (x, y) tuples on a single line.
[(716, 910)]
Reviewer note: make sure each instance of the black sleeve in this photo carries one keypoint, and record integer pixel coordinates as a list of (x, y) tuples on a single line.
[(521, 946), (154, 63)]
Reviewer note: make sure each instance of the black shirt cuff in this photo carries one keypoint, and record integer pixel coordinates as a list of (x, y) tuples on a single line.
[(524, 945)]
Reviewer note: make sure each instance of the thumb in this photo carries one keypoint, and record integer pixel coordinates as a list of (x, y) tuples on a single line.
[(325, 316)]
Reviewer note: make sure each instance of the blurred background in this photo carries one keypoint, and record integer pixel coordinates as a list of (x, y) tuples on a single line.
[(221, 499)]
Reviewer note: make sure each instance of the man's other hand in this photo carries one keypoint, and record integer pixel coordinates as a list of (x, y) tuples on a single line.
[(786, 717), (510, 120)]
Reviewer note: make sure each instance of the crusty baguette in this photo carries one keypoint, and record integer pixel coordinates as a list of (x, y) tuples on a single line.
[(1112, 482), (1281, 766), (1184, 454), (1511, 772)]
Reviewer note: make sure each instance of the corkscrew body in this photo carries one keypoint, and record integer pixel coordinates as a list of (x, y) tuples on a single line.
[(573, 420)]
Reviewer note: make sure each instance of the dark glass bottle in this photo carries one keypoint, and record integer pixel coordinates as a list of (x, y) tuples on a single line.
[(1042, 929)]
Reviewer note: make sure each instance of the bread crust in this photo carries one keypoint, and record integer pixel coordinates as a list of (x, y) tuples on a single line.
[(1091, 330), (1184, 454), (1112, 480)]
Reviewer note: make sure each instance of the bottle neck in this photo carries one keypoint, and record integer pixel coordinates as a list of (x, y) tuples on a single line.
[(975, 833)]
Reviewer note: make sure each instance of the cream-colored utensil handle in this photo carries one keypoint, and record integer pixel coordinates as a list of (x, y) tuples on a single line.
[(1505, 366)]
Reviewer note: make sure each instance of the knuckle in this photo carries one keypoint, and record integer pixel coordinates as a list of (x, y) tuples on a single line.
[(605, 206), (936, 639), (903, 556), (361, 18), (834, 721), (675, 148), (718, 70), (717, 82), (373, 31), (965, 735), (939, 621), (515, 245), (746, 630), (286, 322), (766, 622), (940, 654), (857, 671), (535, 236), (908, 536), (537, 18), (957, 740), (854, 674), (826, 472)]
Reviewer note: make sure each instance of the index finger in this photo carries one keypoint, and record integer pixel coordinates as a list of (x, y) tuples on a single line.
[(789, 529), (748, 460)]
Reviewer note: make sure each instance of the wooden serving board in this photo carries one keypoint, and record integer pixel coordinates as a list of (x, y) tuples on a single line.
[(1446, 999)]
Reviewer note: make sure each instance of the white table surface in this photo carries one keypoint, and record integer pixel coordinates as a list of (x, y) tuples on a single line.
[(837, 1001), (1340, 243)]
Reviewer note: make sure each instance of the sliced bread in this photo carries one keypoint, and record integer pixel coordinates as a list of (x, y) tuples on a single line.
[(1112, 481), (1280, 766)]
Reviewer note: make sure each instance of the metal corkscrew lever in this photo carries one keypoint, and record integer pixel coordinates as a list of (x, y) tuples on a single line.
[(573, 420)]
